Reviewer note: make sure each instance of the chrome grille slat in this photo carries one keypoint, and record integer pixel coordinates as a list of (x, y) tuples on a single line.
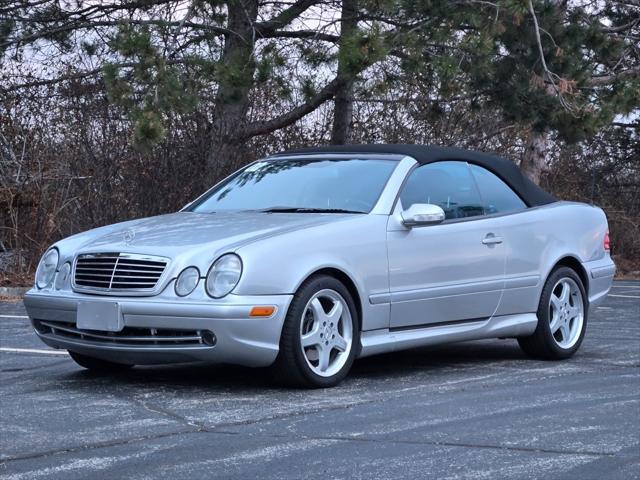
[(101, 261), (118, 272), (84, 269), (90, 264), (144, 263), (144, 268), (109, 275), (133, 277), (87, 271)]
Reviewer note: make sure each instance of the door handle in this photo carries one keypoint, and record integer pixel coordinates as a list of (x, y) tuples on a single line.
[(491, 239)]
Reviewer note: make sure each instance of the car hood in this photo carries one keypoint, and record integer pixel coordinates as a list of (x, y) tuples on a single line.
[(188, 233)]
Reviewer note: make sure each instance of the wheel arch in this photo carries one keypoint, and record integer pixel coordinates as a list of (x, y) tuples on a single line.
[(347, 281), (574, 264)]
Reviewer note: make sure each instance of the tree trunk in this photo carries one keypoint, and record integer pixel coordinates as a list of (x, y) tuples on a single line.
[(235, 80), (533, 161), (343, 102)]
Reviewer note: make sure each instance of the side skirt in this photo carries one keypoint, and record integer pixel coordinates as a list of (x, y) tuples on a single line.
[(386, 340)]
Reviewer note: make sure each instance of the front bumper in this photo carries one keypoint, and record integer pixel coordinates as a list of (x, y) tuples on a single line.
[(239, 338)]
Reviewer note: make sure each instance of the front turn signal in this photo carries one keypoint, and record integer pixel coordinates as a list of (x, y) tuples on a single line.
[(262, 311)]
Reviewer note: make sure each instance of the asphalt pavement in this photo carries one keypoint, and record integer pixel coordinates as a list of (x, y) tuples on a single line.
[(475, 410)]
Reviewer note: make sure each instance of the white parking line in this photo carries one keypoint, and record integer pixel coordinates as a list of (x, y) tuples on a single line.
[(33, 350), (623, 296), (13, 316)]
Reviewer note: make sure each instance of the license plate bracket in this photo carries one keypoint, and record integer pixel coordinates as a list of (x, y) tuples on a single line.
[(103, 316)]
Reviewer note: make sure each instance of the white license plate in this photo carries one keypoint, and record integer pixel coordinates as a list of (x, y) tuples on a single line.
[(103, 316)]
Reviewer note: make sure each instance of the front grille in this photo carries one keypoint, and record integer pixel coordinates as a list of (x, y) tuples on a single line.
[(152, 337), (117, 272)]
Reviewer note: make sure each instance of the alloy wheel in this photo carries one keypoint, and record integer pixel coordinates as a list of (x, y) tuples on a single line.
[(326, 332), (566, 313)]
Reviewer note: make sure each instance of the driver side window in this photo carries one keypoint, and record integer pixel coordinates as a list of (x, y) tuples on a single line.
[(449, 185)]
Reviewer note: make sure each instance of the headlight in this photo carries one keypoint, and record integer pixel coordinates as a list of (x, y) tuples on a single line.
[(224, 275), (47, 268), (63, 276), (187, 281)]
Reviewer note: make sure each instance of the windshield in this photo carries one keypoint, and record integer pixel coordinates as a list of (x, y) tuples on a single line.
[(350, 185)]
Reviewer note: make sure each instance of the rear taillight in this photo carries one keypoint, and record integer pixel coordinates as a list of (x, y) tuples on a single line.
[(607, 242)]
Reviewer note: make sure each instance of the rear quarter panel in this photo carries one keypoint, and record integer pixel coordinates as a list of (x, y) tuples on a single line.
[(537, 239)]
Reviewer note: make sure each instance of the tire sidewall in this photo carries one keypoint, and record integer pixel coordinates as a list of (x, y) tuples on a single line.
[(543, 311), (294, 316)]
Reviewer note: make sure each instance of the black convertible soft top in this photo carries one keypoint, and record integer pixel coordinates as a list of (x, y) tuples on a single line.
[(508, 171)]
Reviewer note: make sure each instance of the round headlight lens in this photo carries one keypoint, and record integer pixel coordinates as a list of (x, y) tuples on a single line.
[(47, 268), (187, 281), (63, 276), (224, 275)]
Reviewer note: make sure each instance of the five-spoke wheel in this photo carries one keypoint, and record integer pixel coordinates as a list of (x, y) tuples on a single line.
[(566, 312), (562, 317), (320, 335), (326, 332)]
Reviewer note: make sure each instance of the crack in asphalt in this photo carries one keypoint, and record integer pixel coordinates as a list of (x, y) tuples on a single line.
[(196, 428), (93, 446), (25, 369), (437, 443), (120, 442), (199, 426)]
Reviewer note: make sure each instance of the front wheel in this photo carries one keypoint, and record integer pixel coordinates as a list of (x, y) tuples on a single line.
[(562, 317), (98, 365), (320, 335)]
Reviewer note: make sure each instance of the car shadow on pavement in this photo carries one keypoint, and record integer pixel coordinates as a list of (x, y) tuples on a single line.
[(197, 376)]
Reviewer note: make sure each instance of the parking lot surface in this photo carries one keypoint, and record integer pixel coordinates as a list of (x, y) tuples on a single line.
[(477, 410)]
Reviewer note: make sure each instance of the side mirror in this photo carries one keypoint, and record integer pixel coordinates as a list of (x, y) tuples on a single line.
[(422, 214)]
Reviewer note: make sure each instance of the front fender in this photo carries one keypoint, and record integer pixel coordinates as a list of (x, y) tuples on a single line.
[(356, 247)]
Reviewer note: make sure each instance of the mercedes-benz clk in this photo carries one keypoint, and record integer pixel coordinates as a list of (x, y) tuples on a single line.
[(309, 259)]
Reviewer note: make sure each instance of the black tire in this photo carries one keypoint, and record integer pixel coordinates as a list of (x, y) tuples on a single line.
[(98, 365), (290, 367), (541, 344)]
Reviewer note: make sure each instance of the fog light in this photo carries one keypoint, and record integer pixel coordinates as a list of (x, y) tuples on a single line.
[(208, 338)]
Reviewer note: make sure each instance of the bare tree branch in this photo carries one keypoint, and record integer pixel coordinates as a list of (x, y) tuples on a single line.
[(307, 34), (600, 80), (620, 28), (286, 119), (113, 23), (284, 18), (83, 74)]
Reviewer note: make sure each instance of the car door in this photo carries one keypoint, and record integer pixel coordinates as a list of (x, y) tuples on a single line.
[(450, 272), (523, 241)]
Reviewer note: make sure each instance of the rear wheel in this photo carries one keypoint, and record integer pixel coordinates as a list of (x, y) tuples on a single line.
[(562, 317), (98, 365), (320, 335)]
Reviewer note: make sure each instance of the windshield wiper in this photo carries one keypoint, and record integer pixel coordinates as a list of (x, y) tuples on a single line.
[(307, 210)]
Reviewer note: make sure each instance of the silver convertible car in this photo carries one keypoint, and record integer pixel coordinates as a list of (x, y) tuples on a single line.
[(309, 259)]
